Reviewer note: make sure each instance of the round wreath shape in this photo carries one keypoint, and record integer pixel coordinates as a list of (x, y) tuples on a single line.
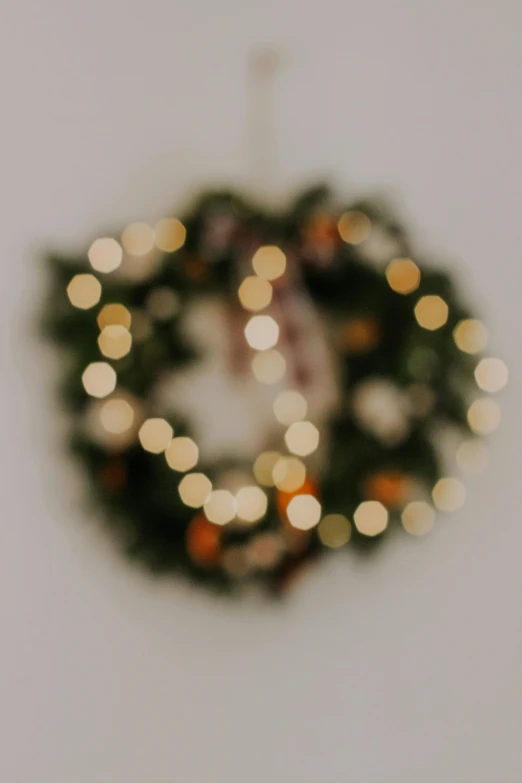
[(250, 389)]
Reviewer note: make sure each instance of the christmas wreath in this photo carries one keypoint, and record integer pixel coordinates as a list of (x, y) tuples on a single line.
[(249, 389)]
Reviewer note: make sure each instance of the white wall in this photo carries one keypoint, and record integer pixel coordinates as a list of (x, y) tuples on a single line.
[(406, 669)]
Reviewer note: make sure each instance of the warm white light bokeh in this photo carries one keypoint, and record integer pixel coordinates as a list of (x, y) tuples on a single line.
[(155, 435), (84, 291), (269, 262), (105, 254)]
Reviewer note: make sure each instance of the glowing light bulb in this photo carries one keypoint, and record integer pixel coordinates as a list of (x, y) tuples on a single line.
[(484, 415), (418, 518), (302, 438), (354, 227), (262, 332), (117, 416), (431, 312), (84, 291), (220, 507), (403, 275), (115, 342), (99, 379), (138, 239), (251, 504), (269, 262), (169, 234), (255, 293), (269, 366), (264, 466), (449, 494), (334, 531), (371, 518), (105, 254), (194, 489), (290, 406), (182, 454), (289, 474), (114, 315), (491, 374), (155, 435), (471, 336), (304, 512)]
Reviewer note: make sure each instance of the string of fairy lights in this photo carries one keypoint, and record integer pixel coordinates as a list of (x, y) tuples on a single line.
[(285, 470)]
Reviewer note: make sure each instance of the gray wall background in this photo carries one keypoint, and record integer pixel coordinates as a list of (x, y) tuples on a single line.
[(406, 669)]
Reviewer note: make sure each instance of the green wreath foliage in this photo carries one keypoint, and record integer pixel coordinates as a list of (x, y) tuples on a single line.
[(380, 344)]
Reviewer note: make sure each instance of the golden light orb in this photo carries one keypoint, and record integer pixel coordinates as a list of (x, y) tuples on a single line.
[(269, 262), (290, 406), (354, 227), (304, 512), (255, 293), (220, 507), (169, 234), (262, 332), (449, 494), (484, 416), (471, 336), (431, 312), (264, 466), (269, 366), (182, 454), (491, 374), (116, 416), (114, 315), (334, 530), (99, 379), (105, 254), (194, 489), (252, 504), (289, 474), (418, 518), (370, 518), (84, 291), (302, 438), (115, 342), (403, 275), (155, 435), (138, 239)]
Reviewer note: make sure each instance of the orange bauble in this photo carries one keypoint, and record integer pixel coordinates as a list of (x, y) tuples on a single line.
[(389, 487), (321, 228), (359, 335), (203, 541), (195, 268), (113, 475)]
